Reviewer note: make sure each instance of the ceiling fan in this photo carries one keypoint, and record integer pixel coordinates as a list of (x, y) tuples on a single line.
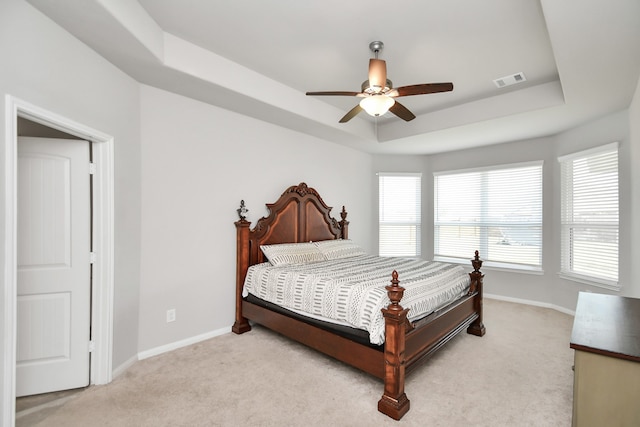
[(377, 93)]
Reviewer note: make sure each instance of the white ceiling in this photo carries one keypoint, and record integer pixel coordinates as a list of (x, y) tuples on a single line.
[(581, 60)]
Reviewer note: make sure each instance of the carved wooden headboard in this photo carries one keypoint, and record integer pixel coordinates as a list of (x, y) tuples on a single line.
[(299, 215)]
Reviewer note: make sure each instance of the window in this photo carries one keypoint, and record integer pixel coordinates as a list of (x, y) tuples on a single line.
[(400, 208), (589, 234), (497, 211)]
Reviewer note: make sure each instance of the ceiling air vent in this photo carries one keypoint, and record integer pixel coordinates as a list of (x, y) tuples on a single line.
[(510, 80)]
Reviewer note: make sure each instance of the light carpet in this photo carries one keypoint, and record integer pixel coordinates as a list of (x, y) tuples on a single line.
[(518, 374)]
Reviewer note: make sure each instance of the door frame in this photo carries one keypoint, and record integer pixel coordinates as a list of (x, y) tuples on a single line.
[(103, 244)]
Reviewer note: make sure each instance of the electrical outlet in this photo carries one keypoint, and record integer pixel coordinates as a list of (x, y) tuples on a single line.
[(171, 315)]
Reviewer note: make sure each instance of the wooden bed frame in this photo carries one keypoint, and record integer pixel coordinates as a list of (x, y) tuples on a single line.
[(300, 215)]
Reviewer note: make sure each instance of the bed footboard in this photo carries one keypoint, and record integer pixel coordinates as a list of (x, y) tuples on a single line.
[(407, 344)]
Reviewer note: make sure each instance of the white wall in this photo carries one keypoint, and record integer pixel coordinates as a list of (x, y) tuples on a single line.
[(47, 67), (198, 162)]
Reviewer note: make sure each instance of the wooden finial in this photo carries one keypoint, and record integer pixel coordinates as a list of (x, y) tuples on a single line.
[(242, 210), (395, 292), (476, 262)]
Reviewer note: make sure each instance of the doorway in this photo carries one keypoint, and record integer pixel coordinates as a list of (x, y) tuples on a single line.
[(102, 229)]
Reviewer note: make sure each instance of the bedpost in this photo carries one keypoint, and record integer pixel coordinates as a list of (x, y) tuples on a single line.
[(241, 324), (477, 327), (394, 401), (344, 224)]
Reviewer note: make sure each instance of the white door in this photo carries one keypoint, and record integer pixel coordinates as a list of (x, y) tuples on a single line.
[(54, 283)]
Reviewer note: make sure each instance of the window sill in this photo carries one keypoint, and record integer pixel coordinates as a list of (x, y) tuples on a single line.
[(495, 266), (591, 281)]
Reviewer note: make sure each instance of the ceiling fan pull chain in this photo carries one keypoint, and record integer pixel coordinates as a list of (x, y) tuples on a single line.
[(376, 127)]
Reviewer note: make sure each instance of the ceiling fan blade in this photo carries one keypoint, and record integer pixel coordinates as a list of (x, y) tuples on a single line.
[(333, 93), (421, 89), (402, 112), (351, 114), (377, 74)]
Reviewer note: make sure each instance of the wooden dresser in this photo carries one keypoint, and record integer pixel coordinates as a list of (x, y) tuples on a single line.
[(606, 340)]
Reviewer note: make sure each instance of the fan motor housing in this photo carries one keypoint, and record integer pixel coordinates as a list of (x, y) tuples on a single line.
[(366, 87)]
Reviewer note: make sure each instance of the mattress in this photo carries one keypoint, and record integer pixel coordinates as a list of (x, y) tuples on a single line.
[(351, 291)]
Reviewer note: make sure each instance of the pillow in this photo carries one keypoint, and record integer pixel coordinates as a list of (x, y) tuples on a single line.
[(292, 253), (337, 249)]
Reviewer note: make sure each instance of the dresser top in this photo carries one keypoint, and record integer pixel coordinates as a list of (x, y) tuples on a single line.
[(608, 325)]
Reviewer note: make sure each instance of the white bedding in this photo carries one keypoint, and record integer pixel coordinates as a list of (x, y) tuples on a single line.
[(352, 290)]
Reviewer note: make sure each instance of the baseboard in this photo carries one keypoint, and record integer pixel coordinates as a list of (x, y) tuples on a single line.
[(124, 366), (531, 302), (166, 348), (182, 343), (198, 338)]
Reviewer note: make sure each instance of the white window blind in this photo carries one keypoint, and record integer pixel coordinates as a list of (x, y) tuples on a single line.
[(400, 214), (589, 234), (497, 211)]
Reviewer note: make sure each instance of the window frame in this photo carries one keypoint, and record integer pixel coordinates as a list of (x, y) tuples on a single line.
[(566, 271), (483, 245), (418, 211)]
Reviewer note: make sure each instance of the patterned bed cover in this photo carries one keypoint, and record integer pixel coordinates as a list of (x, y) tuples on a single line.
[(351, 291)]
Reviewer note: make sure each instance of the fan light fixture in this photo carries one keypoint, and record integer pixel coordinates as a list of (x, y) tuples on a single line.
[(377, 105)]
